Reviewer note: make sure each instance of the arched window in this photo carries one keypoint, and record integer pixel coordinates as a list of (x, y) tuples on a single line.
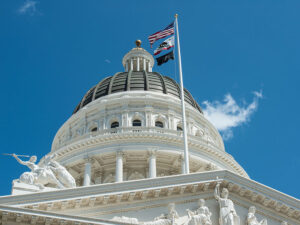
[(179, 128), (136, 123), (94, 129), (159, 124), (114, 125)]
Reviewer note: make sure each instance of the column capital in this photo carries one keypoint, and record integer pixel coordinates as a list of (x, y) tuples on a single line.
[(120, 153), (88, 160), (152, 151)]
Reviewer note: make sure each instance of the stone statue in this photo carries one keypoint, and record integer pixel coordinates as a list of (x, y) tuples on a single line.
[(251, 218), (60, 172), (228, 214), (165, 219), (201, 216), (41, 175)]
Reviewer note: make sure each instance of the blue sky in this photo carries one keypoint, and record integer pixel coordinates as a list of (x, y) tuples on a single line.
[(240, 62)]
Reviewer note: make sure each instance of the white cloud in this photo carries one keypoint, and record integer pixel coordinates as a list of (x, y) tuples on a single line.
[(107, 61), (29, 7), (228, 114)]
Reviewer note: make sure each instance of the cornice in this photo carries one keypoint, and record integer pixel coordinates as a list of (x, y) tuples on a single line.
[(164, 187)]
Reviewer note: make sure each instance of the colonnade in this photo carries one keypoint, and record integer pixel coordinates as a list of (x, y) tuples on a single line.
[(146, 64), (119, 167)]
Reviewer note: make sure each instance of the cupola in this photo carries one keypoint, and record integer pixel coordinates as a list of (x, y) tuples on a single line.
[(138, 59)]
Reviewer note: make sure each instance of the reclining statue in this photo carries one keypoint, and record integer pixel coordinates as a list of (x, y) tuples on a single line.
[(48, 172)]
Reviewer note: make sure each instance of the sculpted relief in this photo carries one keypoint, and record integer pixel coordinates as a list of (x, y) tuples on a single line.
[(202, 215), (47, 172)]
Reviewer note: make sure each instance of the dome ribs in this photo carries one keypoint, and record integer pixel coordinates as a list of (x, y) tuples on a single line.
[(89, 96), (172, 87), (119, 83), (162, 81), (96, 89), (128, 80), (111, 82), (136, 81), (83, 99), (103, 88), (155, 83), (146, 80)]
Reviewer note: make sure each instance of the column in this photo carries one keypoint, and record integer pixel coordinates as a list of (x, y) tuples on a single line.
[(149, 67), (126, 66), (131, 64), (87, 173), (152, 163), (182, 164), (119, 166), (138, 64), (144, 64)]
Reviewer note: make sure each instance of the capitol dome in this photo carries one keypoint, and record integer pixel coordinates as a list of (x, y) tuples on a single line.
[(129, 126)]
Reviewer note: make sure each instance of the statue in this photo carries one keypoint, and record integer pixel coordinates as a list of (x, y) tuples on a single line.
[(165, 219), (228, 214), (251, 218), (49, 172), (201, 216)]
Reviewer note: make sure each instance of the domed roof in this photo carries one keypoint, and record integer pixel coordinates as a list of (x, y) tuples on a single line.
[(136, 81)]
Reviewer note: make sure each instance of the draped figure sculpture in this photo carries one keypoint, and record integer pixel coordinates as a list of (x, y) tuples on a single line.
[(201, 216), (165, 219), (228, 214), (49, 172), (251, 218)]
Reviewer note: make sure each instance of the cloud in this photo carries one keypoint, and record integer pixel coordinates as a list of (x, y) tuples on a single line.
[(228, 114), (29, 7), (107, 61)]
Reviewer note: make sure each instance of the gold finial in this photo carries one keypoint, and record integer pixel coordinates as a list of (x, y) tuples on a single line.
[(138, 43), (176, 15)]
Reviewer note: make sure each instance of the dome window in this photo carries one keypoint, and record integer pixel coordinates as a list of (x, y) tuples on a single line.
[(179, 128), (159, 124), (114, 125), (136, 123), (94, 129)]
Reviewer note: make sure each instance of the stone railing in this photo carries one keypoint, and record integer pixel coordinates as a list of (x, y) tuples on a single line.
[(135, 130)]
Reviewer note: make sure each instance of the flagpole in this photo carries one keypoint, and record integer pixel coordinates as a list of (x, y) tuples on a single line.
[(186, 150)]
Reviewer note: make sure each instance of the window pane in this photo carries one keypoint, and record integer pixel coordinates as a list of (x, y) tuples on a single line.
[(179, 128), (94, 129), (159, 124), (136, 123), (114, 125)]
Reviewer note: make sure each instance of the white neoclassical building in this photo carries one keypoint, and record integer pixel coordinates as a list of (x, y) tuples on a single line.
[(119, 160)]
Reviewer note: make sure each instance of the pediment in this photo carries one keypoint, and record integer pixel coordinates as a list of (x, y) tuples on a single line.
[(146, 199)]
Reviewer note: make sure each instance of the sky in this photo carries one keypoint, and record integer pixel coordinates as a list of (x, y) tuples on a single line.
[(240, 62)]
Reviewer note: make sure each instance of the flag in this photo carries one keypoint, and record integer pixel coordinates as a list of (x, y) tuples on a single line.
[(161, 34), (165, 58), (167, 44)]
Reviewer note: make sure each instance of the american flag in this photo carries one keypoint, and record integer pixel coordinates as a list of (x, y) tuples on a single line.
[(169, 30)]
